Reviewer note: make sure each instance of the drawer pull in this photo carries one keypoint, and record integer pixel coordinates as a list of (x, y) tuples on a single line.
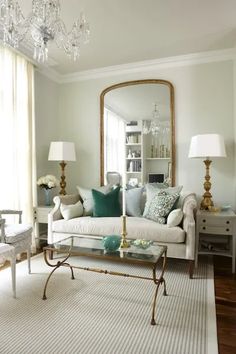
[(227, 222), (227, 229), (203, 220), (204, 228)]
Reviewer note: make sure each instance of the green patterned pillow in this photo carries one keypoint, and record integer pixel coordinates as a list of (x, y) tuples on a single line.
[(160, 206), (153, 189)]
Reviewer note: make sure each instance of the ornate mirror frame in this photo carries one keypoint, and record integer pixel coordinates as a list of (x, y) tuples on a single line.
[(172, 121)]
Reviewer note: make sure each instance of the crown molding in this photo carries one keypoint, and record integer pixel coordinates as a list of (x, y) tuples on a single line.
[(49, 73), (143, 66)]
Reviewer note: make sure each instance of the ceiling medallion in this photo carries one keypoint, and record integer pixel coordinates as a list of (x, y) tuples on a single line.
[(42, 26)]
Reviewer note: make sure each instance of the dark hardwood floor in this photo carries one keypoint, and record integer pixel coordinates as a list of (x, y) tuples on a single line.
[(225, 297)]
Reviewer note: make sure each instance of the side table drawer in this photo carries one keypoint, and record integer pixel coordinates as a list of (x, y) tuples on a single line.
[(42, 215), (220, 230), (215, 221)]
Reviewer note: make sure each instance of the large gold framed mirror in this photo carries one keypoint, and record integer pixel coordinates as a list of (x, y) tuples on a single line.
[(137, 132)]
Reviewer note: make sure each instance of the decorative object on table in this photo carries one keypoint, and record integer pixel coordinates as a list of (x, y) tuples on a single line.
[(42, 26), (226, 207), (141, 243), (111, 243), (207, 146), (47, 183), (214, 209), (124, 243), (62, 151)]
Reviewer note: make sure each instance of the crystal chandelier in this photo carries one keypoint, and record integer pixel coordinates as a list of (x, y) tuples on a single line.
[(153, 126), (43, 25)]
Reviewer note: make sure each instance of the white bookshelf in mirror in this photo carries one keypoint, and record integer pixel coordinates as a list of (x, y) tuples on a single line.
[(145, 155)]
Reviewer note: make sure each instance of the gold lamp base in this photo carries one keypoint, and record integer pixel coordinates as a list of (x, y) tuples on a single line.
[(63, 179), (207, 202), (124, 243)]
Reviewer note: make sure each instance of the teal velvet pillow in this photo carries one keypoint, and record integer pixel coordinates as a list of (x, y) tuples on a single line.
[(106, 205)]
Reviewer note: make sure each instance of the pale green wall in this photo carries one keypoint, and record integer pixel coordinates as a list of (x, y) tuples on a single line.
[(203, 104), (46, 115)]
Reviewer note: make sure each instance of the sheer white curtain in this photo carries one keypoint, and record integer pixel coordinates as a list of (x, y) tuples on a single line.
[(17, 137), (114, 142)]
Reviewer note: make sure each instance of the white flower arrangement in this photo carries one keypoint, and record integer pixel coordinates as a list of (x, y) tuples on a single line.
[(47, 182)]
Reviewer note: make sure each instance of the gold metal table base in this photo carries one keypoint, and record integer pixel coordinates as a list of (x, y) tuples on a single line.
[(56, 266), (158, 281)]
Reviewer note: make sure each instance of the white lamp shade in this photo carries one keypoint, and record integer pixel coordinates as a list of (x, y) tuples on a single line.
[(207, 145), (61, 151)]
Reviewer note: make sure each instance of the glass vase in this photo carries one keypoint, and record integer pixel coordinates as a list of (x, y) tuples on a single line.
[(47, 193)]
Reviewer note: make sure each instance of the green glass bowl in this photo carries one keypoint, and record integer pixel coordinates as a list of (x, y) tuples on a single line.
[(111, 243), (142, 243)]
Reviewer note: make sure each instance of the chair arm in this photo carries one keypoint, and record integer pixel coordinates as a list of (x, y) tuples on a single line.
[(189, 209), (12, 212)]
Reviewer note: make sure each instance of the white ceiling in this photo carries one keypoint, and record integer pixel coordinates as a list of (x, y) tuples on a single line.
[(127, 31)]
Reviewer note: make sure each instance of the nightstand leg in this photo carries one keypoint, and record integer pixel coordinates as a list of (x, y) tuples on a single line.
[(233, 254), (191, 269)]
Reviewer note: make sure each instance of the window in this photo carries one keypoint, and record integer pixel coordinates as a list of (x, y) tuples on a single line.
[(17, 154), (114, 142)]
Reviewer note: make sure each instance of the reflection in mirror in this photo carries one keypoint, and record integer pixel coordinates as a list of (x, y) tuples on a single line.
[(137, 132)]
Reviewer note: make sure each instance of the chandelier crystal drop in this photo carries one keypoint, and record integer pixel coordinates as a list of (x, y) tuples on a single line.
[(43, 25), (153, 126)]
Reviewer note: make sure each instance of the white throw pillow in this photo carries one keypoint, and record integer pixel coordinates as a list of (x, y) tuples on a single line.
[(175, 217), (86, 195), (71, 211)]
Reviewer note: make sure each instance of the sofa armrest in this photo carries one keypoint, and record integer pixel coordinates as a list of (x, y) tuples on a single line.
[(55, 213), (189, 209)]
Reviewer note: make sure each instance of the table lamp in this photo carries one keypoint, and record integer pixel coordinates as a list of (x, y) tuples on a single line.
[(62, 151), (207, 146)]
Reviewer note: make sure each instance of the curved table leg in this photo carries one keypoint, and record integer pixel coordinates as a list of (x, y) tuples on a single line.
[(55, 267), (158, 282)]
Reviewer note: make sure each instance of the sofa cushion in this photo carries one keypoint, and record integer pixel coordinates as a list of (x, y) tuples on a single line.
[(160, 206), (72, 210), (175, 217), (86, 195), (106, 204), (17, 232), (152, 190), (137, 228), (133, 201)]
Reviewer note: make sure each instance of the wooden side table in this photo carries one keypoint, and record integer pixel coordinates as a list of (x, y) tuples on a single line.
[(41, 217), (215, 234)]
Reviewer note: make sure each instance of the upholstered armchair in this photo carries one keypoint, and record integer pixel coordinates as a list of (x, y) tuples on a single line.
[(113, 178), (16, 235)]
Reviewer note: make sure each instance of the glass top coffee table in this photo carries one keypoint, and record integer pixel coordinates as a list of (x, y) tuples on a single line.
[(93, 247)]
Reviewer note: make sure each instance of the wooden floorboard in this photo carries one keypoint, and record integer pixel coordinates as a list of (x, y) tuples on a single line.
[(225, 297)]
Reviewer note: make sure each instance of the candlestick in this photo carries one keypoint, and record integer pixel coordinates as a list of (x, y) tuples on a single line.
[(124, 243), (123, 192)]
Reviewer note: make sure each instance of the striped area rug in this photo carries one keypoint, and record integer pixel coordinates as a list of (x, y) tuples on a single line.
[(98, 313)]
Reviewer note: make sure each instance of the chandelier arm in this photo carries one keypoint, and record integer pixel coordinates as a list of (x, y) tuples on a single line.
[(43, 25)]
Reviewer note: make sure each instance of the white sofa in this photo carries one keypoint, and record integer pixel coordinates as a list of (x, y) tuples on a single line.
[(179, 239)]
